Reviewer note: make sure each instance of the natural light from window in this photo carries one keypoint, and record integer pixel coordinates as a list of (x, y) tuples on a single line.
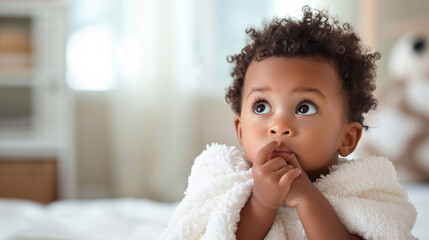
[(89, 59)]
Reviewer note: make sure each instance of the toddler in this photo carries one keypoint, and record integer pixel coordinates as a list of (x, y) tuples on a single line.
[(300, 90)]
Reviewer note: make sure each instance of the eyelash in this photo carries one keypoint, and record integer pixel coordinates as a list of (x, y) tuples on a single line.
[(308, 100), (259, 100), (304, 100)]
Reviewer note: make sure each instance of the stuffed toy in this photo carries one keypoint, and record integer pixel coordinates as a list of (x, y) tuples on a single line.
[(400, 128)]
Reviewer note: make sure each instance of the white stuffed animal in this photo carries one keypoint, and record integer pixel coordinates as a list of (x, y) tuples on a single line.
[(400, 127)]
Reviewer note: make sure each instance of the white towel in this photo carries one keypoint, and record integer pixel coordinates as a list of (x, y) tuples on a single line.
[(364, 193)]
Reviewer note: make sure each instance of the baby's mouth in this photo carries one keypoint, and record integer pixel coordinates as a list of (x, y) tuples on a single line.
[(283, 154)]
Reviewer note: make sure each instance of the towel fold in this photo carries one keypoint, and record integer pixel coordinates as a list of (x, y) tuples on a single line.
[(364, 193)]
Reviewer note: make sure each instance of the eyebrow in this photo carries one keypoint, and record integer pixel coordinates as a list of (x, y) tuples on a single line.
[(304, 89), (310, 89), (258, 89)]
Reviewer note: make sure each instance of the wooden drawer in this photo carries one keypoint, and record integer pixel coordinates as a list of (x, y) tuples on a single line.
[(33, 179)]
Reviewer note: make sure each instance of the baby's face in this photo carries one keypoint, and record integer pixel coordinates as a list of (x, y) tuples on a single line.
[(295, 100)]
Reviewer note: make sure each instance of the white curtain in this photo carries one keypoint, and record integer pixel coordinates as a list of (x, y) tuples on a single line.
[(151, 112), (154, 59)]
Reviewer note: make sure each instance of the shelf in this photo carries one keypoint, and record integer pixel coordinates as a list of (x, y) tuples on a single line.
[(36, 111), (16, 80), (16, 108), (29, 147), (16, 50), (14, 125), (15, 61)]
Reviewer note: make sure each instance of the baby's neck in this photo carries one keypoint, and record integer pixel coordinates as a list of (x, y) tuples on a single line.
[(314, 175)]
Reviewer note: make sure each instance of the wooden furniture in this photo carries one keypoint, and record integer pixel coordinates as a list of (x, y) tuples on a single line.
[(36, 110), (32, 179)]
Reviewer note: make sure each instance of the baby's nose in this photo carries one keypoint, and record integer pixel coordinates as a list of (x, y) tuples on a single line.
[(283, 129)]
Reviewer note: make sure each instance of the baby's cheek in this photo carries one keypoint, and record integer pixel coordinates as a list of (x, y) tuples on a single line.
[(251, 155), (251, 150), (248, 151), (317, 158)]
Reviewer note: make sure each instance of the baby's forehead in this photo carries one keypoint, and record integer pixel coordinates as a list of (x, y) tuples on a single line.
[(304, 70), (309, 63)]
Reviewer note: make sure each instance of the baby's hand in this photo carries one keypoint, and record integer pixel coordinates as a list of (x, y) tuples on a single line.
[(301, 187), (272, 177)]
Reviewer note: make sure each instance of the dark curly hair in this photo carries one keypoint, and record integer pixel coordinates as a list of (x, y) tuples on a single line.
[(316, 35)]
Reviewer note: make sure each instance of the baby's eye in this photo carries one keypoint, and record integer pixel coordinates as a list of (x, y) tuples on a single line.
[(306, 109), (261, 108)]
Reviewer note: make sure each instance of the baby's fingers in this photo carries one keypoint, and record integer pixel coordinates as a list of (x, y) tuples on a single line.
[(287, 178), (292, 160), (263, 154)]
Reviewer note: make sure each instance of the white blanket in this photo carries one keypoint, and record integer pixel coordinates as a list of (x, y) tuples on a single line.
[(364, 193), (95, 219)]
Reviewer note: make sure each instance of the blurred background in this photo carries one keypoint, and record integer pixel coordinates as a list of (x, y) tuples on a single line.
[(116, 98)]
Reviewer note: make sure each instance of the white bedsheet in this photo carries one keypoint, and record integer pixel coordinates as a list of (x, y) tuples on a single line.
[(83, 219), (123, 218)]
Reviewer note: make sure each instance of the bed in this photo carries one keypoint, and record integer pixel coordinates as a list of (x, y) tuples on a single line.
[(126, 218), (83, 219)]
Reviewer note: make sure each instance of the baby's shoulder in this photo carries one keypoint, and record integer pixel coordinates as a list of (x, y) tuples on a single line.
[(363, 163), (361, 174)]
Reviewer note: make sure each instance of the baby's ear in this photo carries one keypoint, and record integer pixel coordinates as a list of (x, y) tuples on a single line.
[(351, 137), (238, 131)]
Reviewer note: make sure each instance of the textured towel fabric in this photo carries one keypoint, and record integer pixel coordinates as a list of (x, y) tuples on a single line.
[(364, 193)]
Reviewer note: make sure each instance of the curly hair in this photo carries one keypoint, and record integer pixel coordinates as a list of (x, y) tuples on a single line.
[(316, 35)]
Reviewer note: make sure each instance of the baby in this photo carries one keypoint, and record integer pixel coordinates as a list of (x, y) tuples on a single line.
[(299, 92)]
